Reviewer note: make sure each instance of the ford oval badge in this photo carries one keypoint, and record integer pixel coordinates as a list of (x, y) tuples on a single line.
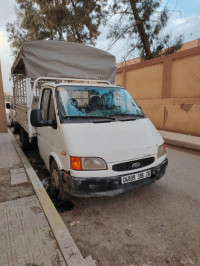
[(136, 165)]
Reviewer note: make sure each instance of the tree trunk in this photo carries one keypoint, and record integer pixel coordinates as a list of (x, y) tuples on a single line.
[(60, 34), (141, 30), (76, 27)]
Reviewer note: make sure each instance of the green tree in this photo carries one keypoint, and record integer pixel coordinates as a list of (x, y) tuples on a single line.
[(140, 23), (69, 20)]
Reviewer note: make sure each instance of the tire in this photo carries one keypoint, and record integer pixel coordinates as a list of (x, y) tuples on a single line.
[(56, 185), (15, 126), (24, 140), (34, 144)]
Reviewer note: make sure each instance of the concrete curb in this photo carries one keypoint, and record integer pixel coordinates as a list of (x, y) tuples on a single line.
[(181, 140), (65, 241)]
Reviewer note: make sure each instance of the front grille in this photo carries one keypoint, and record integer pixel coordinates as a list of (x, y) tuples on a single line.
[(130, 165)]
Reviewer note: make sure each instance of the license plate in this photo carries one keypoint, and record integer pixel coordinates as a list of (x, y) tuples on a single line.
[(135, 177)]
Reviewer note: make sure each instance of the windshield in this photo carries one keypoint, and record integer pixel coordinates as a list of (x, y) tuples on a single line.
[(83, 101)]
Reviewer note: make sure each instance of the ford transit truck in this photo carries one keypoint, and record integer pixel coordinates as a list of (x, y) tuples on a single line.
[(92, 136)]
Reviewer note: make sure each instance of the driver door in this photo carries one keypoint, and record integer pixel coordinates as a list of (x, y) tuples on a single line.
[(46, 134)]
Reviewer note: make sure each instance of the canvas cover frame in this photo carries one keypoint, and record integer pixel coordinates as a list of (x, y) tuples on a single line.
[(48, 58)]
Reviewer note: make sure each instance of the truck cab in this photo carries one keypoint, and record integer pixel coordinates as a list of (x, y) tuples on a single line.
[(95, 140)]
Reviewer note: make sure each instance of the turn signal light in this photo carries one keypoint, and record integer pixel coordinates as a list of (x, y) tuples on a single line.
[(75, 163)]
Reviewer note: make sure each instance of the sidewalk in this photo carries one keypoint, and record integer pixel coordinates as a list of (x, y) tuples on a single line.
[(31, 230), (181, 140)]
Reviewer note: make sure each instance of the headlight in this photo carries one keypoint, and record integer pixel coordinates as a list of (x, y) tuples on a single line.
[(161, 150), (87, 163), (93, 163)]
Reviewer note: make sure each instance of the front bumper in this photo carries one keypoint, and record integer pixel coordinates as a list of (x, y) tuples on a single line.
[(108, 186)]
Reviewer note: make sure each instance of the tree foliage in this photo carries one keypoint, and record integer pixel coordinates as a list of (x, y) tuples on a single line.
[(140, 23), (70, 20)]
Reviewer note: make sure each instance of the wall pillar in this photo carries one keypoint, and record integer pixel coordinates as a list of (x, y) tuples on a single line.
[(166, 81), (124, 77), (3, 121)]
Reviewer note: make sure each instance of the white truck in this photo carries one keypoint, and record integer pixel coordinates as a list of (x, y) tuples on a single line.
[(11, 115), (92, 136)]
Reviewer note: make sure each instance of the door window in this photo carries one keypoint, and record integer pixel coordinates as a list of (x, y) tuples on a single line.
[(51, 115), (47, 105)]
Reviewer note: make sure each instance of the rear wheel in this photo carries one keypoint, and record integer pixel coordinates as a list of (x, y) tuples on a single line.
[(24, 139), (15, 126), (56, 185)]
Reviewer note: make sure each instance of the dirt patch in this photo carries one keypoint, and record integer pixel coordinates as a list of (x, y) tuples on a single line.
[(8, 192), (186, 107), (36, 210)]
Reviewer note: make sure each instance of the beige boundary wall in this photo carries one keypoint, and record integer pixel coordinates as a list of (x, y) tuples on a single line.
[(3, 122), (167, 89)]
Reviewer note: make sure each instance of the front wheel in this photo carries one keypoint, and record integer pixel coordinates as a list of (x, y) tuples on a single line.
[(56, 185)]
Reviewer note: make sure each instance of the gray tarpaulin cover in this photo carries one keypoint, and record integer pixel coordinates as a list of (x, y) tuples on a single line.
[(64, 59)]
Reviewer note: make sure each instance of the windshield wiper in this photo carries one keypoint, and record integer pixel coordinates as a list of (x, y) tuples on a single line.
[(92, 116), (134, 115)]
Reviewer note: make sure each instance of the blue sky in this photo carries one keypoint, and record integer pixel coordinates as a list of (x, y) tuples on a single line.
[(187, 7), (185, 18), (186, 10)]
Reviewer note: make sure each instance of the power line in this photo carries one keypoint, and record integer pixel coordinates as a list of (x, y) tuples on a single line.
[(174, 9)]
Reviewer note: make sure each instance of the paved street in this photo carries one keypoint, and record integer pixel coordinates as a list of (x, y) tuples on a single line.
[(155, 225)]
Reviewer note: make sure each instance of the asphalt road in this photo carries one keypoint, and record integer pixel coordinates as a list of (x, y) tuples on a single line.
[(154, 225)]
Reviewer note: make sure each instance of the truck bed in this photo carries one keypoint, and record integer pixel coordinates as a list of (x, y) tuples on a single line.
[(23, 118)]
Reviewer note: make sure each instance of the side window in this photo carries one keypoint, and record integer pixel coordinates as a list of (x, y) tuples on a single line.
[(52, 115), (47, 105)]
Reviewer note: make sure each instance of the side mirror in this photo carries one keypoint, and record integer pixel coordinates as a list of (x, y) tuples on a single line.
[(38, 121), (7, 105)]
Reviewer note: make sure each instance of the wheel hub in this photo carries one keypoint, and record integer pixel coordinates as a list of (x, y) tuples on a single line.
[(55, 178)]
